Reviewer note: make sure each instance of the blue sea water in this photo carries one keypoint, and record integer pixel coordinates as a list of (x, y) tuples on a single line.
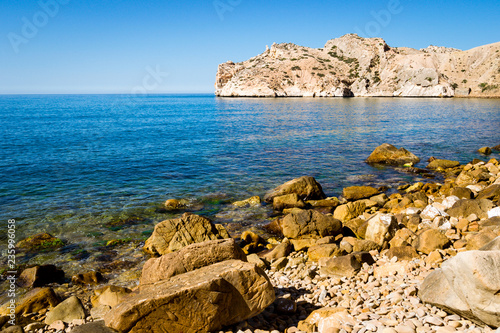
[(90, 168)]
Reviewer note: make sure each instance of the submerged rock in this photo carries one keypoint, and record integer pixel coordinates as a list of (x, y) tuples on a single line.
[(443, 164)]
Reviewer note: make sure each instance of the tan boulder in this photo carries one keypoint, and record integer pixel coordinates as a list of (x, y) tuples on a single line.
[(172, 235), (306, 187), (402, 253), (190, 258), (202, 300), (288, 201), (309, 224), (324, 251), (388, 154), (465, 208), (252, 201), (354, 193), (280, 251), (484, 150), (109, 296), (467, 285), (430, 240), (66, 311), (349, 211), (345, 266), (381, 228), (34, 301)]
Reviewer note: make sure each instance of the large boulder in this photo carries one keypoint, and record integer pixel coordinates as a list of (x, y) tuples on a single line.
[(202, 300), (492, 193), (388, 154), (35, 300), (291, 200), (467, 285), (353, 193), (381, 228), (349, 211), (172, 235), (309, 224), (66, 311), (430, 240), (190, 258), (466, 207), (306, 187)]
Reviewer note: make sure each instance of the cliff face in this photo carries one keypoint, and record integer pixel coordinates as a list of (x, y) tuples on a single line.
[(355, 66)]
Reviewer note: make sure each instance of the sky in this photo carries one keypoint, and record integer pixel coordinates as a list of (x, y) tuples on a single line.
[(164, 46)]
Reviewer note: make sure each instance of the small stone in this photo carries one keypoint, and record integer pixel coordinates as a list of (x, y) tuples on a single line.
[(57, 325)]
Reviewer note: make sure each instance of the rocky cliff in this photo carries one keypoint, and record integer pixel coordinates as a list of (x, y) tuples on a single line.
[(355, 66)]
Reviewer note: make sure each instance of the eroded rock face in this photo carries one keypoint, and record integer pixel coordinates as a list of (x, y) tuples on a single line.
[(190, 258), (202, 300), (306, 188), (467, 285), (172, 235), (355, 66), (388, 154), (359, 192)]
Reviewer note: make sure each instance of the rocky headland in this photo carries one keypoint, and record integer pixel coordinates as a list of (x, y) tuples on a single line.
[(352, 66), (425, 258)]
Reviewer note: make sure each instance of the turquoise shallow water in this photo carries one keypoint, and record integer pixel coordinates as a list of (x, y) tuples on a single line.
[(90, 168)]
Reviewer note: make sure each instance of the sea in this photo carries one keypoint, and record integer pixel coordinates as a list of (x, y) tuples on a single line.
[(90, 169)]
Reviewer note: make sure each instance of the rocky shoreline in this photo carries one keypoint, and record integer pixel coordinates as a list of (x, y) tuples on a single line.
[(424, 259)]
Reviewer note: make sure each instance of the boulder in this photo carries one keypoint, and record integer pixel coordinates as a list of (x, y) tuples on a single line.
[(349, 211), (328, 202), (309, 224), (388, 154), (172, 235), (481, 239), (109, 296), (484, 150), (344, 266), (36, 300), (288, 201), (442, 164), (494, 245), (354, 193), (190, 258), (430, 240), (306, 187), (66, 311), (88, 278), (323, 251), (402, 253), (467, 285), (40, 276), (202, 300), (491, 192), (280, 251), (93, 327), (360, 245), (381, 228), (462, 193), (466, 207)]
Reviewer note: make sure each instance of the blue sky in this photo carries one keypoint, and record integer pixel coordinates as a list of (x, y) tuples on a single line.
[(124, 46)]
